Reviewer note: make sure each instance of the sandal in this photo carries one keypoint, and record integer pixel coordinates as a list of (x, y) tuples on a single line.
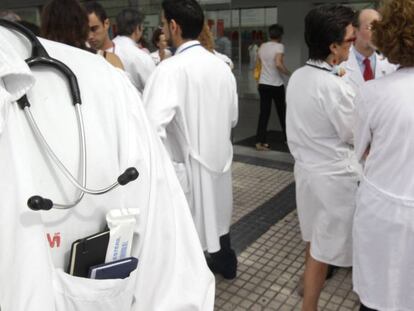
[(262, 147)]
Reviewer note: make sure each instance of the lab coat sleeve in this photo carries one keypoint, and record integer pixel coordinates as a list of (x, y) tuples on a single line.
[(161, 98), (146, 68), (235, 105), (363, 133), (339, 105)]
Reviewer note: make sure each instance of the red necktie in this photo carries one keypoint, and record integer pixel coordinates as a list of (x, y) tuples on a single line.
[(368, 74)]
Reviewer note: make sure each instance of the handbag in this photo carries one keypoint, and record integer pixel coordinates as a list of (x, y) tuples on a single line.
[(257, 69)]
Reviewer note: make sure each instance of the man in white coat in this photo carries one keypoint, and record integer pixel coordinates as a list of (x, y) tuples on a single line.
[(364, 62), (172, 273), (192, 101), (138, 64)]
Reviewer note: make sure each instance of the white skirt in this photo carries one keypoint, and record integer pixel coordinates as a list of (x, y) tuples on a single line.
[(383, 235), (326, 204)]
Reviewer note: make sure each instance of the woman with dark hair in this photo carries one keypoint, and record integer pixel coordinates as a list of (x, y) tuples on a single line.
[(383, 234), (319, 125), (159, 41), (66, 21), (271, 84)]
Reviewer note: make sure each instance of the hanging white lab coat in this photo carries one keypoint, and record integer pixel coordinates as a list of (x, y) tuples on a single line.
[(172, 273), (138, 64), (319, 123), (191, 100), (384, 220), (353, 75)]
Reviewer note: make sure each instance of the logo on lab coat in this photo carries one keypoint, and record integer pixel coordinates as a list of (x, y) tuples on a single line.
[(54, 240)]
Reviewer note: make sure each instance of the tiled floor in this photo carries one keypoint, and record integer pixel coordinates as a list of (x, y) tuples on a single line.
[(270, 267), (254, 185)]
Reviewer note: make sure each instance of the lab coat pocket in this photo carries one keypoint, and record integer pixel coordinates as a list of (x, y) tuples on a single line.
[(181, 172), (83, 294)]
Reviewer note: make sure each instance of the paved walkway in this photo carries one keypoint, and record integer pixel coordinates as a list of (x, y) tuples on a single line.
[(269, 246)]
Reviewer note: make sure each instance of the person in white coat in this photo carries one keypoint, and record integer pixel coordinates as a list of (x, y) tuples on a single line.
[(138, 64), (319, 123), (364, 62), (192, 101), (383, 234), (172, 273)]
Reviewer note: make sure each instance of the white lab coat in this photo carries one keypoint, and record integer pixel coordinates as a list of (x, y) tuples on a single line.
[(384, 220), (353, 75), (192, 101), (138, 64), (225, 59), (172, 273), (319, 124)]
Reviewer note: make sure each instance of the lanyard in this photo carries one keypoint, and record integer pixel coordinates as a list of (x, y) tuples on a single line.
[(189, 47), (317, 67)]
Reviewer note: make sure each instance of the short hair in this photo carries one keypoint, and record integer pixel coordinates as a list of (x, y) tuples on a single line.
[(393, 34), (93, 7), (128, 20), (65, 21), (355, 21), (275, 32), (188, 14), (325, 25)]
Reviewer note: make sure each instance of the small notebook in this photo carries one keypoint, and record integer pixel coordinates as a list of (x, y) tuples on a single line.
[(119, 269), (88, 252)]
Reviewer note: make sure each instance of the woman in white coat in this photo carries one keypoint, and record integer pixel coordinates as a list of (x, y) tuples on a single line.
[(319, 131), (384, 220)]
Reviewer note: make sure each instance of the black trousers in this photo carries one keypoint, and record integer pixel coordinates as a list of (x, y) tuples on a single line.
[(365, 308), (267, 94)]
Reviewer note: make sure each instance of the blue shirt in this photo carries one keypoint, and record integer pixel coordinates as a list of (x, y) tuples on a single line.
[(360, 60)]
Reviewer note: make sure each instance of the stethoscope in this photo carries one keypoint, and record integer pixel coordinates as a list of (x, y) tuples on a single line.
[(39, 57)]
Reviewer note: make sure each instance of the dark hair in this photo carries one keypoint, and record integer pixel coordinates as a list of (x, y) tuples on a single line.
[(355, 21), (325, 25), (156, 36), (128, 20), (275, 32), (65, 21), (97, 9), (186, 13)]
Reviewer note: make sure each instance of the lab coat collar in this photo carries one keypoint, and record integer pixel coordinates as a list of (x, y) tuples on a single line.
[(14, 72), (321, 64), (186, 45), (126, 40)]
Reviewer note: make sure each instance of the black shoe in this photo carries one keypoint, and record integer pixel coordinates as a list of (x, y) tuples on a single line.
[(225, 266), (331, 271)]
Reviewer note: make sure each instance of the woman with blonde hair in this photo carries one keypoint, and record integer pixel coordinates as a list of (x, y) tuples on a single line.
[(383, 236), (207, 41)]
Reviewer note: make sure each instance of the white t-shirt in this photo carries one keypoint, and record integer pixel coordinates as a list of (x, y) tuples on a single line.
[(267, 53)]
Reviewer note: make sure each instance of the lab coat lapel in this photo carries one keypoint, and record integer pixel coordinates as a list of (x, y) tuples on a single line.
[(353, 71)]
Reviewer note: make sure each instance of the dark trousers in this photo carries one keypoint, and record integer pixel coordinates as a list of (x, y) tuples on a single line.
[(365, 308), (224, 261), (267, 94)]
